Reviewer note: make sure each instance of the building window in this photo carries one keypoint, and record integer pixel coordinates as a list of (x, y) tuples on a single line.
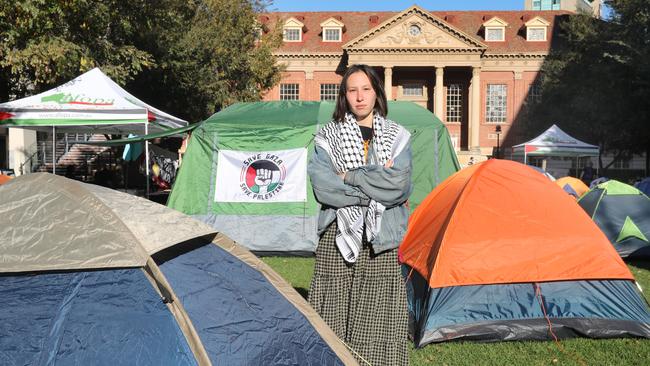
[(534, 93), (537, 4), (412, 90), (289, 92), (496, 103), (292, 35), (495, 34), (536, 34), (555, 5), (332, 35), (622, 164), (454, 103), (329, 91)]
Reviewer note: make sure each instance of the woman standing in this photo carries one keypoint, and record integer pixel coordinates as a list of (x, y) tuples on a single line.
[(361, 175)]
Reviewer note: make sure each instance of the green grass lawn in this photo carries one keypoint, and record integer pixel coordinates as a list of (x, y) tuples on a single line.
[(580, 351)]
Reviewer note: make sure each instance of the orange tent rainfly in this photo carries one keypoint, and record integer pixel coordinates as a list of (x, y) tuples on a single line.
[(504, 248), (4, 179), (572, 186)]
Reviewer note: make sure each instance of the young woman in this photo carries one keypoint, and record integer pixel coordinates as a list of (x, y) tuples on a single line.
[(361, 175)]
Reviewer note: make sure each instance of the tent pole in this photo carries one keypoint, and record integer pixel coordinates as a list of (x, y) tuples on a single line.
[(53, 150), (146, 155)]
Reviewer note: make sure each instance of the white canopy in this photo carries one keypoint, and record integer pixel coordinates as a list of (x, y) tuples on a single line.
[(92, 103), (555, 142)]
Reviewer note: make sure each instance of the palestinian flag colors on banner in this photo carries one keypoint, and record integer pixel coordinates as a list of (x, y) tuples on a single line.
[(267, 176)]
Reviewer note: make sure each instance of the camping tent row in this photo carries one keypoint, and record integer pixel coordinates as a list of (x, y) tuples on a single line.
[(92, 276), (216, 182), (499, 252), (553, 142)]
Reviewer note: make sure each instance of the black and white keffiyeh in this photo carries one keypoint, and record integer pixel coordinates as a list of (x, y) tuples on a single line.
[(344, 144)]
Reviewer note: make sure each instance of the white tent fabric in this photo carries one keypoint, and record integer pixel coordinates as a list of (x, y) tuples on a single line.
[(54, 223), (555, 142), (92, 103)]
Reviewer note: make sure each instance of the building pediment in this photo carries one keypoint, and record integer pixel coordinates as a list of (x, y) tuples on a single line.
[(414, 28)]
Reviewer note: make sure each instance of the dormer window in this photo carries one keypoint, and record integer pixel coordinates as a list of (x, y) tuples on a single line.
[(292, 30), (495, 29), (536, 29), (332, 30)]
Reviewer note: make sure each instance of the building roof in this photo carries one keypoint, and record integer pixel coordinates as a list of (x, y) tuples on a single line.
[(469, 22)]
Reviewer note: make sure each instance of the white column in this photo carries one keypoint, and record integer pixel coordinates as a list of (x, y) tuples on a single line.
[(475, 110), (388, 82), (439, 93)]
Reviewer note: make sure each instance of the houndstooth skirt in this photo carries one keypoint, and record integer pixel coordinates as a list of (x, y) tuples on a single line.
[(364, 303)]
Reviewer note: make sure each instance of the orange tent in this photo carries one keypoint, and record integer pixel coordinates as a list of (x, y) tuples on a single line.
[(503, 222), (576, 184), (499, 252), (4, 179)]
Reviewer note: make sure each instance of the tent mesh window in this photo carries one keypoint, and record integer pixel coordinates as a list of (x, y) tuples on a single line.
[(289, 91), (496, 103), (454, 103), (329, 91)]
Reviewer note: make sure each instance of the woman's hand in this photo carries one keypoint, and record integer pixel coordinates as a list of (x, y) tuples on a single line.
[(342, 175), (389, 164)]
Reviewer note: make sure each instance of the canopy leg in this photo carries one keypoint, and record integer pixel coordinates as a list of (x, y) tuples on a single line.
[(53, 150), (146, 156)]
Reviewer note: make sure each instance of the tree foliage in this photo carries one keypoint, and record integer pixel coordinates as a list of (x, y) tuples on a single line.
[(597, 80), (189, 57)]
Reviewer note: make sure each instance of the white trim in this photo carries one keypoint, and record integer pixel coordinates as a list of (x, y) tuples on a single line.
[(292, 24)]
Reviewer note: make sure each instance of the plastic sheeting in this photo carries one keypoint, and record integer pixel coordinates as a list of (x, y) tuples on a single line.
[(240, 317), (108, 317), (598, 309)]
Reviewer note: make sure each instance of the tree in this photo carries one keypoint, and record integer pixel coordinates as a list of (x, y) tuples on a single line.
[(47, 42), (597, 80), (219, 59), (188, 57)]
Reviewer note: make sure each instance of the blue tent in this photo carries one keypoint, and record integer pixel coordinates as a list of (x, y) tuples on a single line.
[(92, 276), (644, 186)]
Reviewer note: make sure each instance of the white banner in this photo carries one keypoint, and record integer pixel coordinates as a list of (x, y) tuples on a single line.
[(267, 176)]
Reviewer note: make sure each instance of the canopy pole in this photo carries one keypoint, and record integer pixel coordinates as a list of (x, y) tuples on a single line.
[(525, 157), (54, 150), (146, 155)]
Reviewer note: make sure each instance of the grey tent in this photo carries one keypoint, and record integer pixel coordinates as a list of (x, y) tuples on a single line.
[(94, 276)]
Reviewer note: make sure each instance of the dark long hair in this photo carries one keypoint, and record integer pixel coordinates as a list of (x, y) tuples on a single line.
[(342, 107)]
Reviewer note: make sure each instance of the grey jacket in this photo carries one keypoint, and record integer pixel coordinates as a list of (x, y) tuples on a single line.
[(389, 186)]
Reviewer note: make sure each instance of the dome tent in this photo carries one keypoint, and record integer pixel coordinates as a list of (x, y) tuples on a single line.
[(95, 276), (622, 212), (214, 182), (498, 252)]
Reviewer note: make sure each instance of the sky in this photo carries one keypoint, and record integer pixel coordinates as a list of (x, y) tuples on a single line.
[(393, 5)]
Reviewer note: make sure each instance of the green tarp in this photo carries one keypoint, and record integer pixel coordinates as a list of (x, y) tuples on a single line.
[(273, 126)]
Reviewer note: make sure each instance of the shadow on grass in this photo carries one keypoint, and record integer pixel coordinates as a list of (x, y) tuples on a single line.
[(302, 291)]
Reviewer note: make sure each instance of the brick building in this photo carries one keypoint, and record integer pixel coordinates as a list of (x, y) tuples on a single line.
[(475, 70)]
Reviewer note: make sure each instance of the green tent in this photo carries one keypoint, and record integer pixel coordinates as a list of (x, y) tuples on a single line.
[(623, 213), (278, 212)]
